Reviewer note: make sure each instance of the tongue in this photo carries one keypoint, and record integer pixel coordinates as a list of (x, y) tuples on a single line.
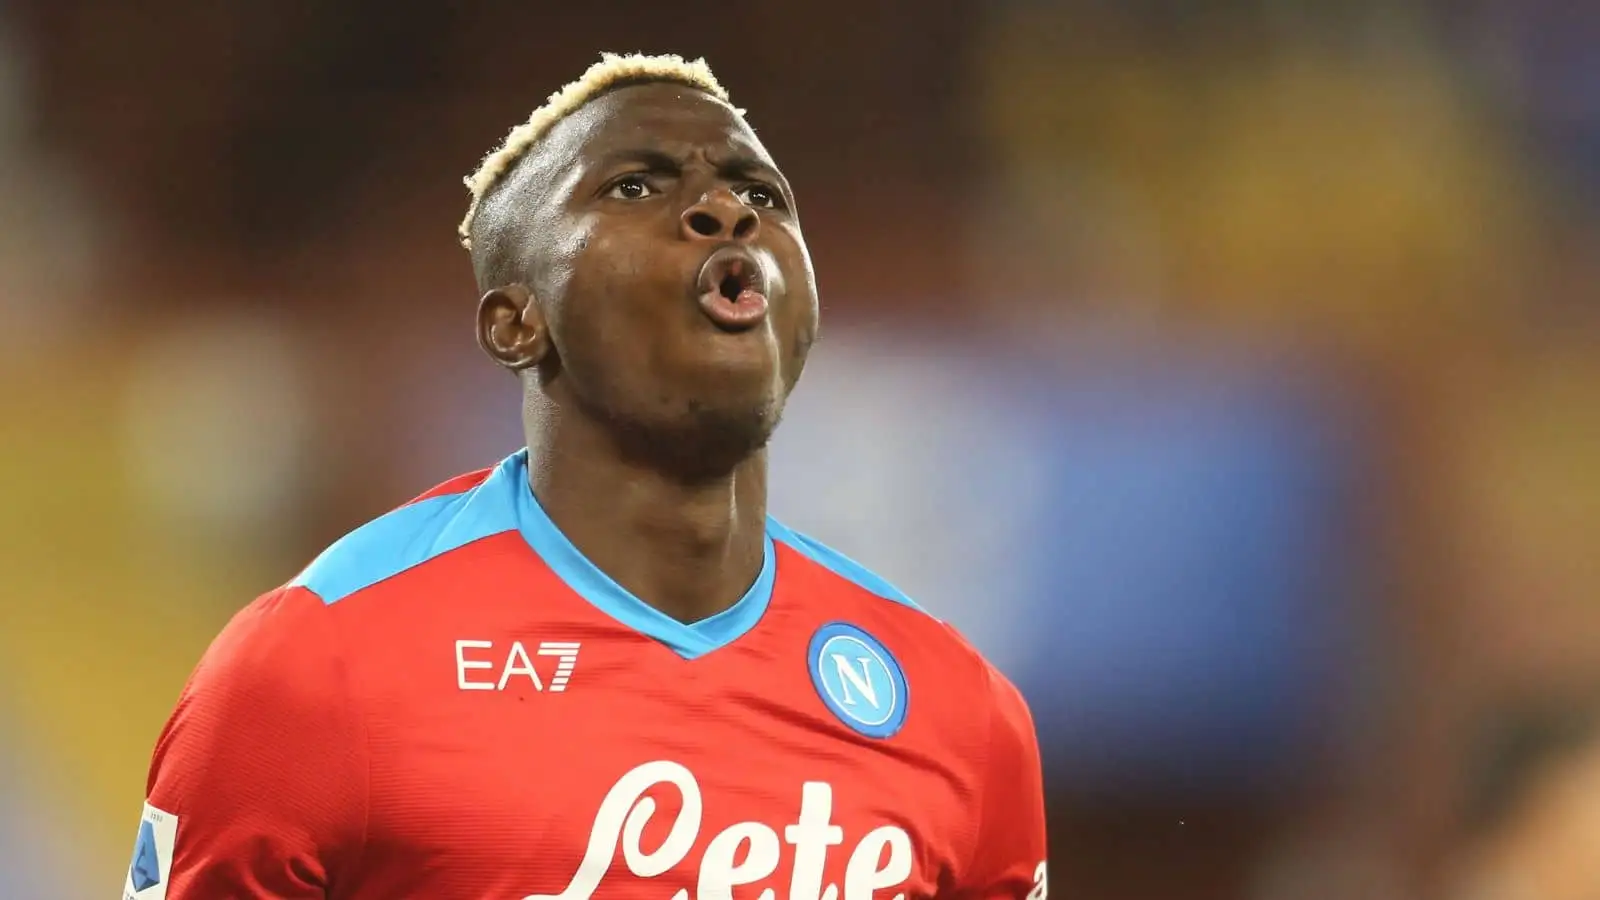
[(740, 312)]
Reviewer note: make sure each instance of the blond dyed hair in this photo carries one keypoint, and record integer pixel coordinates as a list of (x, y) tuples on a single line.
[(612, 71)]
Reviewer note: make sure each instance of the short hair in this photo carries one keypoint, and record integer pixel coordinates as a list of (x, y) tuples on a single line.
[(611, 72)]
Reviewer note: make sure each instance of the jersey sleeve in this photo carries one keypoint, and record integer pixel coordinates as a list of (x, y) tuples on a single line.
[(258, 785), (1009, 861)]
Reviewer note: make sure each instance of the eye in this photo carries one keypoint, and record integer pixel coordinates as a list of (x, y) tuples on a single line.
[(760, 196), (630, 187)]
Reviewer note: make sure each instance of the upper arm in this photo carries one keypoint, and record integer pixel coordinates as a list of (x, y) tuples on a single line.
[(258, 785), (1009, 860)]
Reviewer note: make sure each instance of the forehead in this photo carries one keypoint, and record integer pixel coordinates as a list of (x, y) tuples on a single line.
[(672, 118)]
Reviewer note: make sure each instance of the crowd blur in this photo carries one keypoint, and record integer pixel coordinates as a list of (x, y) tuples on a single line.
[(1228, 371)]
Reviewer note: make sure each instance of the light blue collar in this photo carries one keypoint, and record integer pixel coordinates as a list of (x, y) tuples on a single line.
[(595, 586)]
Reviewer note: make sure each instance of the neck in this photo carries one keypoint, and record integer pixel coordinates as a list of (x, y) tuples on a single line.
[(690, 549)]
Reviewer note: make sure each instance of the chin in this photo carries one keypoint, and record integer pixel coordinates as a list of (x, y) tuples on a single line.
[(734, 383), (700, 438), (724, 427), (747, 354)]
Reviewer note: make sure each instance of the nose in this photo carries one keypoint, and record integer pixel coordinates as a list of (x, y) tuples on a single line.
[(720, 216)]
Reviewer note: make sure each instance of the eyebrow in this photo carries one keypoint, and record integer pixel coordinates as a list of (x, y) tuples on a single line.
[(735, 167), (745, 165), (652, 159)]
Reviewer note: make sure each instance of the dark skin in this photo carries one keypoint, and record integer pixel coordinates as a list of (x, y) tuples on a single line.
[(646, 422)]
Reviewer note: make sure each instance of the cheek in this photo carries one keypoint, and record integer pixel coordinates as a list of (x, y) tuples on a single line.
[(559, 259), (794, 259), (608, 305), (805, 335), (624, 274), (611, 259), (563, 283), (801, 325), (802, 255), (800, 291)]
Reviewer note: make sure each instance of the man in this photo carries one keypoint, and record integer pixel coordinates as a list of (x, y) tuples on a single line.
[(598, 669)]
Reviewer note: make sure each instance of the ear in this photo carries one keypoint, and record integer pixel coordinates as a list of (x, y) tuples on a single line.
[(511, 327)]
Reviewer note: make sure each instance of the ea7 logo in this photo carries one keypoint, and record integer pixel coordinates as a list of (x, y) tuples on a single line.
[(514, 662)]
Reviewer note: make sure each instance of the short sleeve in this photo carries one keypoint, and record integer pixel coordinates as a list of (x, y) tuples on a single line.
[(258, 785), (1009, 861)]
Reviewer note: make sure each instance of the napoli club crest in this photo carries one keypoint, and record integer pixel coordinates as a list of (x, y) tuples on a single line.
[(858, 679)]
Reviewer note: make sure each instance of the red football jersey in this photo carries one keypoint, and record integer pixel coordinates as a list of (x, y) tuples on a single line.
[(452, 702)]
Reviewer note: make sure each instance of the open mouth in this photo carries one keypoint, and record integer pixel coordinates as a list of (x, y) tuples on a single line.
[(733, 289)]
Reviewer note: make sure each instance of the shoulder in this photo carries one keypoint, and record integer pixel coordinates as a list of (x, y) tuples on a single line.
[(841, 566), (445, 519), (281, 643), (264, 753), (275, 668), (997, 706), (1011, 729), (979, 715), (879, 606)]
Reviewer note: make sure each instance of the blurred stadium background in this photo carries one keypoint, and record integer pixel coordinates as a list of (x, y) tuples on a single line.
[(1229, 371)]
